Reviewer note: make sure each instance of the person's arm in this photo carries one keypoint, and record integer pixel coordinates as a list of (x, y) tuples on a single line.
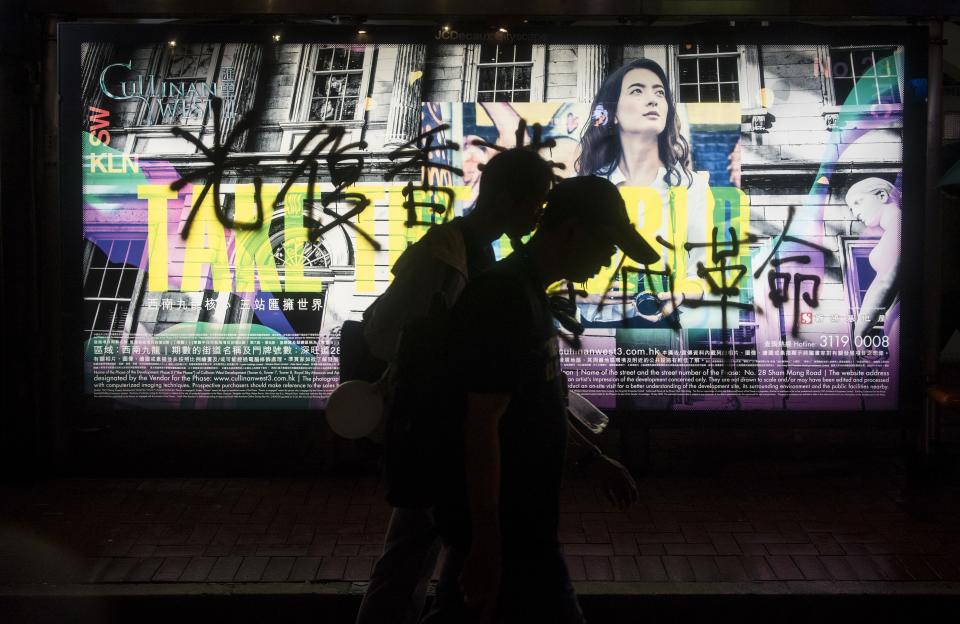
[(618, 483), (486, 326), (480, 579)]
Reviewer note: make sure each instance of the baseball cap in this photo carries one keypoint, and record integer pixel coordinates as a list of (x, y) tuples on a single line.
[(596, 203)]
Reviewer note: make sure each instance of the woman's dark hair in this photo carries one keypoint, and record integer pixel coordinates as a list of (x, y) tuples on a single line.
[(600, 148)]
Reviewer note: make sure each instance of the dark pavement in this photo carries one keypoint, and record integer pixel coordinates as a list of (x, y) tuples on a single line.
[(829, 536)]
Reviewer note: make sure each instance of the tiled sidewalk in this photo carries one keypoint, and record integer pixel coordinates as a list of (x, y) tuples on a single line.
[(746, 523)]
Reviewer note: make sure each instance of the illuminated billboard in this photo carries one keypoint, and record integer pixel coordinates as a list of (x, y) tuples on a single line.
[(241, 200)]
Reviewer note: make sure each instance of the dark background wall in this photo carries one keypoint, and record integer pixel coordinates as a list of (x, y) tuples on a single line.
[(39, 432)]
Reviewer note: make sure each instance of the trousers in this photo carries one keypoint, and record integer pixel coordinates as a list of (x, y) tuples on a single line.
[(398, 583), (534, 587)]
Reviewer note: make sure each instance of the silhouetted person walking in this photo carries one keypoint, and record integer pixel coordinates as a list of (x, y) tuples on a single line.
[(513, 188), (500, 522)]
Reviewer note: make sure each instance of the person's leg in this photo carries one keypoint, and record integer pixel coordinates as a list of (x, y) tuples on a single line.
[(399, 579), (448, 607), (536, 587)]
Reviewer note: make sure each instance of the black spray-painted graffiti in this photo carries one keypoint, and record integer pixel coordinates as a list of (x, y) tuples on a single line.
[(779, 281), (219, 157), (417, 153), (345, 165), (536, 143), (342, 175)]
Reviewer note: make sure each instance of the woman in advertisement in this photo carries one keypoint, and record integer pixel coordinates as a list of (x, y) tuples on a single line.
[(634, 135), (634, 139)]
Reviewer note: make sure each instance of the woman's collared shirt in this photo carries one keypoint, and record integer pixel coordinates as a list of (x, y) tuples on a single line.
[(696, 218)]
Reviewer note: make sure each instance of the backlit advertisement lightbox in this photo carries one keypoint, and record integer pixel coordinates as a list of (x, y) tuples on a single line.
[(241, 200)]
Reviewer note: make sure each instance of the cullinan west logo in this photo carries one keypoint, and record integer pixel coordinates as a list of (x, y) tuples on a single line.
[(170, 100), (174, 102)]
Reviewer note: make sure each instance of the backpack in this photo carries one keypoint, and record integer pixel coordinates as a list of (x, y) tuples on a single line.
[(356, 360)]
